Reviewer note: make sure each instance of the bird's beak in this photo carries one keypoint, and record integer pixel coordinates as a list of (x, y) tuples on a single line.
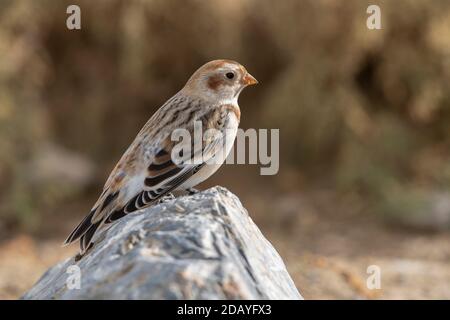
[(249, 80)]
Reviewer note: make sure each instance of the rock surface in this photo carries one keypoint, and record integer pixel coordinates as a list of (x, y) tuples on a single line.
[(203, 246)]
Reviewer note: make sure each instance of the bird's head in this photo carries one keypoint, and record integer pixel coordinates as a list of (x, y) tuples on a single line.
[(219, 80)]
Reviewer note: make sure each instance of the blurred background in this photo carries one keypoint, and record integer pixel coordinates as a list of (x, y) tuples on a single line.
[(364, 119)]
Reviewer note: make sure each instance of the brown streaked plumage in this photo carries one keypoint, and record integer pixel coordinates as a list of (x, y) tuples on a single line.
[(146, 172)]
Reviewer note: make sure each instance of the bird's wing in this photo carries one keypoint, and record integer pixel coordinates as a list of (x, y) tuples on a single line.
[(163, 175), (129, 189), (114, 193)]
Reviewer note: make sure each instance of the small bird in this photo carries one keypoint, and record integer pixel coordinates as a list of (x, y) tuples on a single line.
[(147, 171)]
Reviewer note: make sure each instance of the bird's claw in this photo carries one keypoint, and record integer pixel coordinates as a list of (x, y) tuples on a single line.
[(192, 191), (166, 197)]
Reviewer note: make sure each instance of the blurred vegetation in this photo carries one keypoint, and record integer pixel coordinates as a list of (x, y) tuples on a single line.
[(360, 111)]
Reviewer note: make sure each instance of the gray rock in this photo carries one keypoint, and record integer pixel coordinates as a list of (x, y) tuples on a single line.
[(203, 246)]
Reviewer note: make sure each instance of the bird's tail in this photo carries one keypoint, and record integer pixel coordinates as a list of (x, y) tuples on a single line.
[(84, 231)]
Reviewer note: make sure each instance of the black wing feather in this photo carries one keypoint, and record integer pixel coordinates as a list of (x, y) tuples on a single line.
[(146, 198), (82, 227)]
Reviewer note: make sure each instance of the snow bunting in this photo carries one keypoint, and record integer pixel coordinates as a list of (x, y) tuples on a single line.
[(147, 171)]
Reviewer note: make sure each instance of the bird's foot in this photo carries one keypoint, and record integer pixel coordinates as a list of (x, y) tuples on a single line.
[(192, 191), (166, 197)]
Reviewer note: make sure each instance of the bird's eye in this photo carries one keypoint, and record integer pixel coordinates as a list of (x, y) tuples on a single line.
[(229, 75)]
